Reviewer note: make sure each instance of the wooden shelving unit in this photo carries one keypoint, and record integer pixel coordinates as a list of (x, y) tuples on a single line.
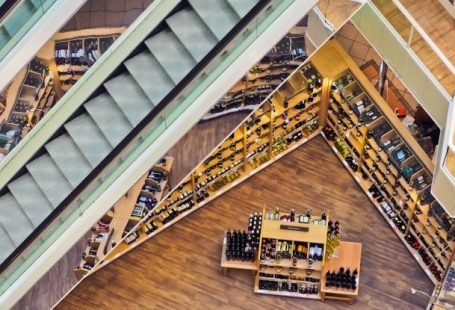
[(289, 269), (385, 160), (291, 259), (33, 95), (75, 55), (124, 215), (286, 120)]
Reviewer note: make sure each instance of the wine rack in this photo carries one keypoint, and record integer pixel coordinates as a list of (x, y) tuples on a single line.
[(384, 160), (290, 261), (125, 214), (35, 97), (264, 77), (75, 55), (255, 86), (391, 173), (288, 118)]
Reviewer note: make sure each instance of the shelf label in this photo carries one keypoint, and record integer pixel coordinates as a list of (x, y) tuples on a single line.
[(294, 228)]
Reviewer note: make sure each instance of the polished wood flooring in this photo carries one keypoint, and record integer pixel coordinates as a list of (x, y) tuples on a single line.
[(56, 282), (438, 25), (436, 22), (179, 268)]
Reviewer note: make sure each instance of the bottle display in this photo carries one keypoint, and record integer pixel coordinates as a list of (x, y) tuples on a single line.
[(341, 279), (389, 170)]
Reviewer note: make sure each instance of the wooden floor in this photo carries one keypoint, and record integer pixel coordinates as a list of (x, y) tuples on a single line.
[(337, 11), (439, 26), (179, 268), (436, 22), (56, 282)]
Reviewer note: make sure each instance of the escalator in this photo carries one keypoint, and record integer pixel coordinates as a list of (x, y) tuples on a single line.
[(121, 103)]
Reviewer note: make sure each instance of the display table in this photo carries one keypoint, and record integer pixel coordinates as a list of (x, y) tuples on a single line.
[(348, 256), (235, 264)]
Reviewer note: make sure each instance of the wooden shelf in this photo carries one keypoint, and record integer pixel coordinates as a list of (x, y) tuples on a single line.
[(365, 185), (256, 77), (348, 257), (375, 161), (120, 218)]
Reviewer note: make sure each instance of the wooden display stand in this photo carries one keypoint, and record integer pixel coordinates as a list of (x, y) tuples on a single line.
[(235, 264), (348, 256), (302, 272), (284, 270)]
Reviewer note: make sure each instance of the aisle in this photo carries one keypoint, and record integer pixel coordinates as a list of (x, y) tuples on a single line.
[(180, 267)]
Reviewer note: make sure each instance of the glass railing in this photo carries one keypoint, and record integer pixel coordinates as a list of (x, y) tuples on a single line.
[(396, 51), (147, 137), (419, 42), (22, 17)]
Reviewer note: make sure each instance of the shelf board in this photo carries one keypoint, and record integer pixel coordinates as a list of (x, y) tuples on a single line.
[(286, 263)]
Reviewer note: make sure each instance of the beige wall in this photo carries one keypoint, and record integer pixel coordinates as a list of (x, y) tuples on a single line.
[(449, 7)]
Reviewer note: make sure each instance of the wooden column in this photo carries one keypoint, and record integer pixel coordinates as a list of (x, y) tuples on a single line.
[(193, 187), (413, 207), (244, 146), (271, 131), (324, 104)]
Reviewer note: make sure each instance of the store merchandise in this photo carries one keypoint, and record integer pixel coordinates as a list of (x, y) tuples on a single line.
[(34, 98), (76, 55), (239, 246), (388, 169), (120, 222), (263, 78), (343, 279)]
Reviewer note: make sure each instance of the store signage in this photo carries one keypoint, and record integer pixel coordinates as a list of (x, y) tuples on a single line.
[(295, 228)]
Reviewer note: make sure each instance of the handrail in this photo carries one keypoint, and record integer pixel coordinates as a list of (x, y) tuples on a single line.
[(425, 36), (135, 134), (327, 24)]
